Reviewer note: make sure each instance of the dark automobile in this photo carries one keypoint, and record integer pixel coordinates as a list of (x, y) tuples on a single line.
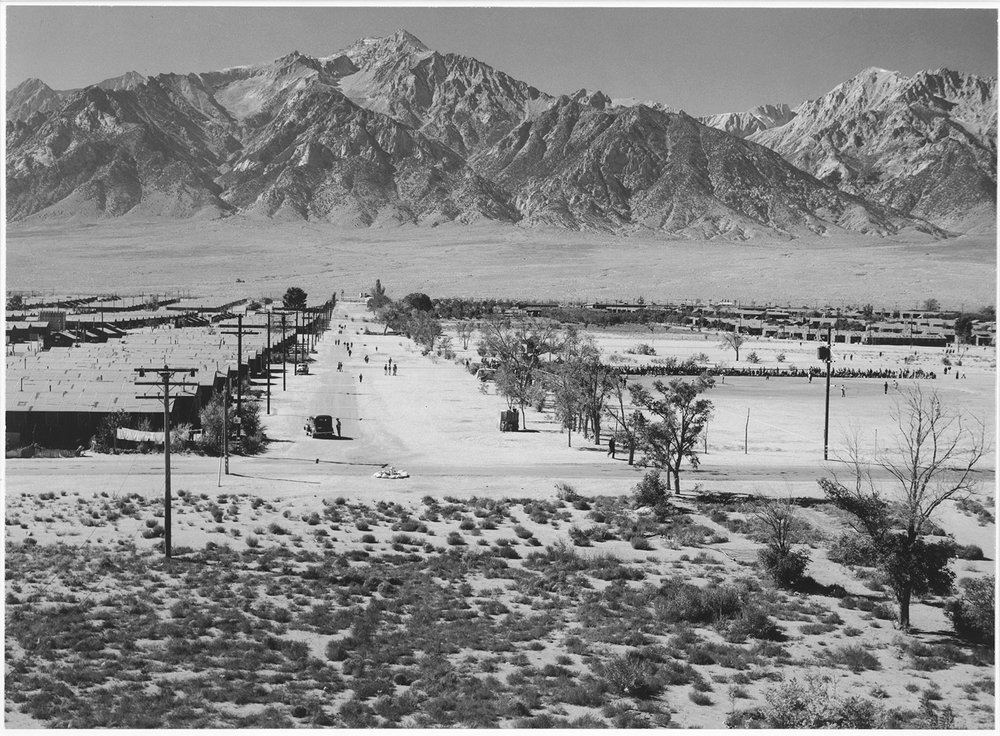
[(320, 425)]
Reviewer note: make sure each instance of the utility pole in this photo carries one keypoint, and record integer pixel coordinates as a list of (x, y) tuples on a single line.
[(166, 375), (240, 332), (269, 363), (284, 355), (826, 353), (295, 355), (225, 425)]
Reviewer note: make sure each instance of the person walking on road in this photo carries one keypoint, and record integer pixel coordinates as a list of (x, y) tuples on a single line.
[(394, 367), (361, 378), (338, 427), (885, 388), (611, 447)]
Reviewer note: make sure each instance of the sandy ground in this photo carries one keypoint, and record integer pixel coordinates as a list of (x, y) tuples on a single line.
[(207, 258)]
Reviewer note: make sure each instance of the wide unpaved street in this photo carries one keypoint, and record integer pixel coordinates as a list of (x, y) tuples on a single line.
[(434, 421)]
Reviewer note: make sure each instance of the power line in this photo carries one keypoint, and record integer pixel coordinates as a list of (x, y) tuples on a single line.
[(166, 375)]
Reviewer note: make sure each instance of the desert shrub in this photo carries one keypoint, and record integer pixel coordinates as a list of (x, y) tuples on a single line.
[(566, 492), (699, 698), (855, 657), (851, 548), (973, 612), (640, 543), (753, 622), (679, 601), (813, 705), (969, 552), (785, 568), (521, 532), (579, 537), (632, 675), (650, 491), (454, 538)]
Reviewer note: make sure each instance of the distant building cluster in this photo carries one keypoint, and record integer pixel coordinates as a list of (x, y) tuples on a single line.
[(71, 363)]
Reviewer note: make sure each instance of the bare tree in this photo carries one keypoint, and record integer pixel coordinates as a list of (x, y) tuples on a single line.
[(733, 340), (465, 329), (934, 461), (625, 422)]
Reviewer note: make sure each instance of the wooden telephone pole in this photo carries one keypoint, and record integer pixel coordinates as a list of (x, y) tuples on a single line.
[(165, 383), (240, 332), (826, 354)]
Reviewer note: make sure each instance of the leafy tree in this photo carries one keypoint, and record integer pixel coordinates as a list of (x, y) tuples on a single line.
[(733, 340), (933, 461), (680, 415), (378, 299), (932, 305), (294, 298), (107, 430), (212, 425), (15, 302), (517, 348), (589, 378), (418, 301), (394, 316), (423, 329), (963, 327)]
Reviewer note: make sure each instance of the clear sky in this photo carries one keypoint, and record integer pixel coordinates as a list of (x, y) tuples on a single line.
[(702, 60)]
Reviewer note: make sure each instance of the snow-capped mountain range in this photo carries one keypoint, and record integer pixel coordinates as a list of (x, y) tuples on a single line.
[(389, 131)]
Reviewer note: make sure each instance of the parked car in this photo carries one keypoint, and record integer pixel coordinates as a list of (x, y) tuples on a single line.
[(302, 370), (320, 425)]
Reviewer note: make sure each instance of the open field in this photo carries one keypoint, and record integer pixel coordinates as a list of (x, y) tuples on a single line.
[(451, 260), (510, 581)]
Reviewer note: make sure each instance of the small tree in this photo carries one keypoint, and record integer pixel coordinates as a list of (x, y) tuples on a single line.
[(934, 461), (733, 340), (779, 527), (680, 416), (294, 298), (212, 425), (465, 330), (107, 430), (15, 302), (378, 297), (931, 305), (423, 329), (963, 327)]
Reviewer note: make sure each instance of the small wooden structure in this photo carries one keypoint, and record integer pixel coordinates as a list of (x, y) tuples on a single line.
[(510, 421)]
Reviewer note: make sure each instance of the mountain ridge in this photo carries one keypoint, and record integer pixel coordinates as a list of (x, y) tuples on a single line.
[(389, 131)]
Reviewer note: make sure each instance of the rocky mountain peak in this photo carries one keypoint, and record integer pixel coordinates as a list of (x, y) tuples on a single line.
[(596, 99)]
